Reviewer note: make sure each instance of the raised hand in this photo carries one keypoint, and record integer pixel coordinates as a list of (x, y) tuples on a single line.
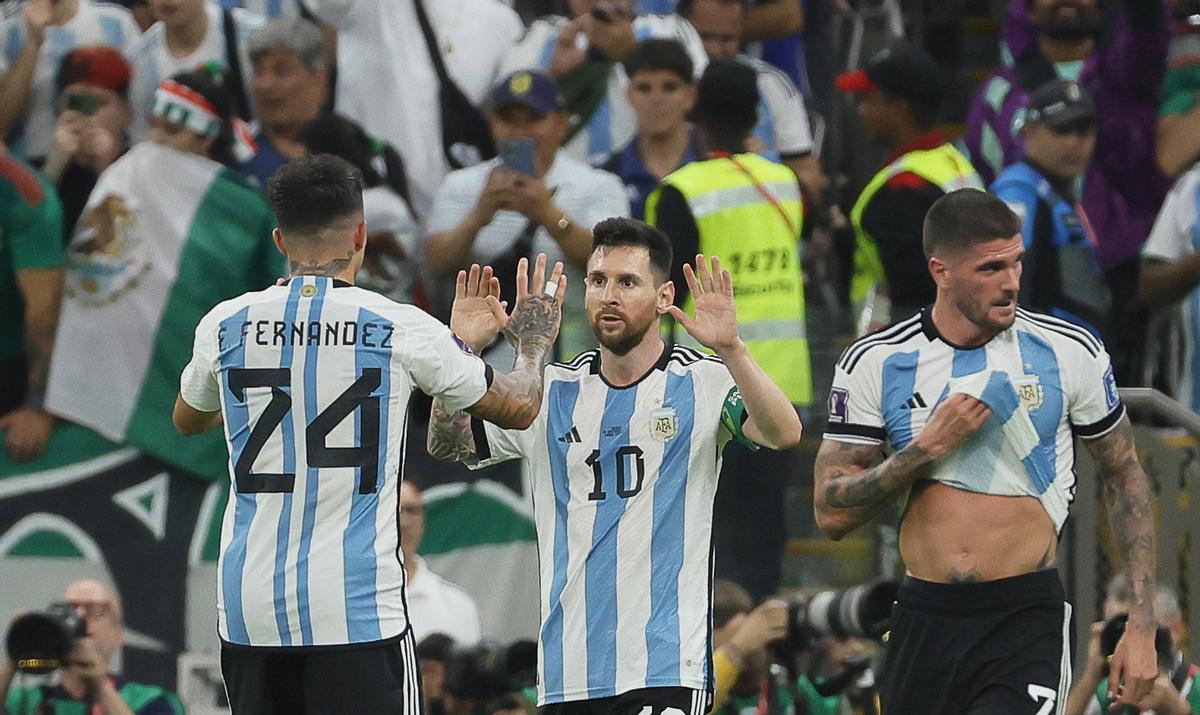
[(715, 325), (478, 314), (533, 325)]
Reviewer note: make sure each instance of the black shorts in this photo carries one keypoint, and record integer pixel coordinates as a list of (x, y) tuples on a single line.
[(660, 701), (378, 678), (993, 648)]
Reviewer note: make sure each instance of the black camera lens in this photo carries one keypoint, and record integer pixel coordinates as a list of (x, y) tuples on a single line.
[(40, 642)]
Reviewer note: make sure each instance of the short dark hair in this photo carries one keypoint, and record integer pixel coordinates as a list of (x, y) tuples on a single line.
[(729, 599), (660, 54), (965, 217), (631, 232), (311, 193)]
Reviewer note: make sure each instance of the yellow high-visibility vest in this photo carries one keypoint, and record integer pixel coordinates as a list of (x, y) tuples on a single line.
[(943, 166), (757, 239)]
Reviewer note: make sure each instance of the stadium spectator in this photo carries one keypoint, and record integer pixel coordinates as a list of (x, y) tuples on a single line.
[(33, 43), (1061, 274), (433, 653), (496, 214), (434, 604), (741, 634), (1171, 274), (270, 9), (87, 684), (289, 86), (1174, 692), (388, 83), (584, 56), (31, 280), (661, 91), (765, 19), (782, 132), (143, 14), (189, 34), (745, 210), (1118, 52), (901, 91), (391, 261), (93, 125), (1178, 139), (171, 232)]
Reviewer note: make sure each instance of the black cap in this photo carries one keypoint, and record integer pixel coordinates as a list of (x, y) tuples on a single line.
[(900, 71), (1060, 103), (532, 89), (727, 91)]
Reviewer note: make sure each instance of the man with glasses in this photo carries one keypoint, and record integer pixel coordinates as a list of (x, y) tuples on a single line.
[(1062, 274), (86, 683)]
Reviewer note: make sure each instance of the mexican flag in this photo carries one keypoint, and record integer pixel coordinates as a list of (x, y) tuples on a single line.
[(165, 236)]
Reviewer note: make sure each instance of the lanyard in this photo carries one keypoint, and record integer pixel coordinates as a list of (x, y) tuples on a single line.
[(759, 187)]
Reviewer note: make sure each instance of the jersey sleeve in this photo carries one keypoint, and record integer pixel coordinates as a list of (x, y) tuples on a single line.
[(793, 137), (855, 410), (1094, 405), (440, 364), (1170, 239), (198, 385), (494, 444)]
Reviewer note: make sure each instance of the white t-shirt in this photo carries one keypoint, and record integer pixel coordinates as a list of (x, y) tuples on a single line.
[(94, 24), (437, 606), (267, 8), (614, 122), (153, 62), (1175, 236), (388, 85), (386, 211), (586, 195), (313, 379), (782, 121)]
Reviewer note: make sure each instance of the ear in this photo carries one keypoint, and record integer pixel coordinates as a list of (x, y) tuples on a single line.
[(277, 237), (939, 269), (690, 93), (666, 297), (360, 236)]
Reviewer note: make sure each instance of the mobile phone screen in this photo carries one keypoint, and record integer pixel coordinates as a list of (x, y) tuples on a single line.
[(517, 154)]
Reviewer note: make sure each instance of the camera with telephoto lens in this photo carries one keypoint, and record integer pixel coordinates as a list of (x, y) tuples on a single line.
[(488, 671), (862, 611), (39, 642)]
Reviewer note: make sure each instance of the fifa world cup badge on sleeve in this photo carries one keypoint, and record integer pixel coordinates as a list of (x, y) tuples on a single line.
[(1110, 388), (664, 423), (839, 401)]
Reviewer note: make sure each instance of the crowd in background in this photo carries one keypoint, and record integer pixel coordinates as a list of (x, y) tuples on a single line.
[(138, 137)]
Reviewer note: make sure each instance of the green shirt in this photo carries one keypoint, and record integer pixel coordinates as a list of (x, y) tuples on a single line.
[(30, 238), (785, 702), (1189, 690), (141, 699)]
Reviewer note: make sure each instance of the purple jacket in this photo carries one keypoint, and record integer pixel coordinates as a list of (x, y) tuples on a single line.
[(1123, 187)]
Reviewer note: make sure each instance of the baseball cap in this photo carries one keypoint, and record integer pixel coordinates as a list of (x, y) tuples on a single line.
[(98, 66), (728, 90), (900, 71), (531, 89), (1060, 103)]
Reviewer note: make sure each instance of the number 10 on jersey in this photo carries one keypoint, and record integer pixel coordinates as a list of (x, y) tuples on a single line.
[(624, 455)]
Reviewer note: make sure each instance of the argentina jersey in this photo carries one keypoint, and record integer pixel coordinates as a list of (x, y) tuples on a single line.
[(623, 486), (1047, 374), (313, 379)]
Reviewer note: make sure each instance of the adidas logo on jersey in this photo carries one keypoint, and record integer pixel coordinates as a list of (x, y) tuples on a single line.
[(915, 402), (571, 437)]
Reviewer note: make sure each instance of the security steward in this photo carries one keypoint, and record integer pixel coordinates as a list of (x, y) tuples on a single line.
[(747, 210), (901, 91)]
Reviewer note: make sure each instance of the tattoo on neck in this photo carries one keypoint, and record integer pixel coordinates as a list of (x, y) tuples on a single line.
[(332, 267)]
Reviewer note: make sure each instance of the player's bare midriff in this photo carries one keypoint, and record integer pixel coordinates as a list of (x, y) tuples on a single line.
[(953, 536)]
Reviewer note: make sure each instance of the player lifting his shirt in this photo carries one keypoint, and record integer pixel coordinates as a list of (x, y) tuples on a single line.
[(977, 403), (623, 461)]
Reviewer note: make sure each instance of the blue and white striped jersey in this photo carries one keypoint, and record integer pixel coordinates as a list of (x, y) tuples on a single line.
[(886, 386), (623, 485), (314, 380)]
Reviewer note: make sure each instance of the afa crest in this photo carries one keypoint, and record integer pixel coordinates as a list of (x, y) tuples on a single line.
[(1032, 394), (664, 424)]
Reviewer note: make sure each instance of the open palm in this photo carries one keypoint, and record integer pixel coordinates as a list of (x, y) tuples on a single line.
[(478, 314), (715, 323)]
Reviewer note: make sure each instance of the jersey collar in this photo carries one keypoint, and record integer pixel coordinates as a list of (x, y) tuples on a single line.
[(661, 364), (932, 333)]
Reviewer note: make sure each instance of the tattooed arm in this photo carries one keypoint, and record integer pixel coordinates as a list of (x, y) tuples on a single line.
[(1127, 495), (850, 491), (513, 400)]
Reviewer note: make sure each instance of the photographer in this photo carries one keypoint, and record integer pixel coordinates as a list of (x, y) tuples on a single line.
[(86, 683), (746, 680), (1174, 692)]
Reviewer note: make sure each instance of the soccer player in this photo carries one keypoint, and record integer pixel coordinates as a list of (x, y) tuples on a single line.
[(978, 403), (312, 381), (624, 460)]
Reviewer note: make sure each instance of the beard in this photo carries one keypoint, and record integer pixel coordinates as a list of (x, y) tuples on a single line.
[(627, 339), (977, 313), (1084, 25)]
